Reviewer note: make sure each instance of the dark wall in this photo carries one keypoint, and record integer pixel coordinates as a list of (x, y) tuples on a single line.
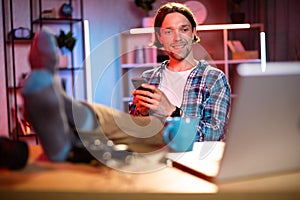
[(281, 22)]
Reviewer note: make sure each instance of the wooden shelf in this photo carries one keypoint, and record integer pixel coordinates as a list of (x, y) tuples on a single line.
[(19, 41), (56, 20), (71, 69)]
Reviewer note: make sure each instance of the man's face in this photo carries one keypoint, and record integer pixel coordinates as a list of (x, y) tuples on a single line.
[(176, 35)]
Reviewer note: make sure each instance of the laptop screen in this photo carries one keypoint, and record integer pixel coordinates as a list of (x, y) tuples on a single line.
[(264, 128)]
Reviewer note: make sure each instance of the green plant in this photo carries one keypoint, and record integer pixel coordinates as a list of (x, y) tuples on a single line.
[(145, 5), (65, 40)]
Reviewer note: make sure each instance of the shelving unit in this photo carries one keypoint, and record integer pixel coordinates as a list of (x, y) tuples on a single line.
[(16, 52), (65, 23), (137, 37), (14, 47)]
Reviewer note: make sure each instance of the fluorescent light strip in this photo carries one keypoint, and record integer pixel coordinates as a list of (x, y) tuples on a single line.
[(198, 28), (263, 56), (141, 30), (222, 26), (88, 72)]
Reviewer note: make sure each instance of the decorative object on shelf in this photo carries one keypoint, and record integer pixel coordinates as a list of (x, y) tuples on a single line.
[(147, 22), (150, 54), (66, 10), (19, 33), (51, 13), (63, 61), (238, 51), (65, 42), (146, 6), (198, 9), (237, 17), (139, 54), (144, 54)]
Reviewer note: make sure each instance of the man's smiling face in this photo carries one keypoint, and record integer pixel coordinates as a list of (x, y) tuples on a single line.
[(176, 35)]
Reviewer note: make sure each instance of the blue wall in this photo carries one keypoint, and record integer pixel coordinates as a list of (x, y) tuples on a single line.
[(107, 19)]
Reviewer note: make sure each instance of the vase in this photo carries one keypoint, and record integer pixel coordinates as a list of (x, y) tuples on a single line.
[(63, 61), (148, 22)]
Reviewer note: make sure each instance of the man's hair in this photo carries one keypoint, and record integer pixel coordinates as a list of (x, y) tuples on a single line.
[(168, 8)]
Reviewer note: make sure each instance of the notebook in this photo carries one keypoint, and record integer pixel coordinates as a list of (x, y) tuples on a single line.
[(264, 128)]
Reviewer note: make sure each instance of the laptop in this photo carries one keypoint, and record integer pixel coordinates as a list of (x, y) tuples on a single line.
[(264, 128)]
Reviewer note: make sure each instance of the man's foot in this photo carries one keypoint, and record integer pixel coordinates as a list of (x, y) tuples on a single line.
[(43, 53)]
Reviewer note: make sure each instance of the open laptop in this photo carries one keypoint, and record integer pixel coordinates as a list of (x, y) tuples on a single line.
[(264, 128)]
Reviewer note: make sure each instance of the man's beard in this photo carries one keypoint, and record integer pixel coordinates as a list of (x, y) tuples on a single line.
[(179, 57)]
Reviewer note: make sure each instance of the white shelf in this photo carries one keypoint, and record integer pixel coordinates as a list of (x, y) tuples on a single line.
[(210, 27), (243, 61), (217, 62), (143, 36), (142, 65)]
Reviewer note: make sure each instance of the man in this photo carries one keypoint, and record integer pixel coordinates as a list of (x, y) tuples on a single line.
[(183, 86), (57, 119)]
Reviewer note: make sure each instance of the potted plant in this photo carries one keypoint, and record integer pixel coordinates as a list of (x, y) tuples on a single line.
[(65, 42), (146, 6), (237, 16)]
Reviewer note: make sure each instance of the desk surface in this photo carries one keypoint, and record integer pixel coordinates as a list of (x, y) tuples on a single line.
[(41, 178)]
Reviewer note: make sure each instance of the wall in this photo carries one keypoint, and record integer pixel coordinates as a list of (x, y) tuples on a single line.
[(3, 108), (110, 18), (283, 29), (107, 20), (281, 26)]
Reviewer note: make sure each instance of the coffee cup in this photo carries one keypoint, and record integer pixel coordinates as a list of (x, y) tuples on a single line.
[(180, 133)]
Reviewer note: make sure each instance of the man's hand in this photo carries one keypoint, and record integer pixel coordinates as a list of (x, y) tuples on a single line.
[(155, 100)]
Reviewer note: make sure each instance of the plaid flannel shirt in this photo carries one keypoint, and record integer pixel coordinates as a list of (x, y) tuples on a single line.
[(206, 96)]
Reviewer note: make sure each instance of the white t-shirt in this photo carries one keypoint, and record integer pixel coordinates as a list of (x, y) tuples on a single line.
[(173, 85)]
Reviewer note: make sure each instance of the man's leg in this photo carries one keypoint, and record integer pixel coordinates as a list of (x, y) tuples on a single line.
[(45, 106), (140, 133), (45, 112), (53, 114)]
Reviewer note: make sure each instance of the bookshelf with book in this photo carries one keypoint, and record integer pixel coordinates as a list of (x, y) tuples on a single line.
[(232, 52)]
